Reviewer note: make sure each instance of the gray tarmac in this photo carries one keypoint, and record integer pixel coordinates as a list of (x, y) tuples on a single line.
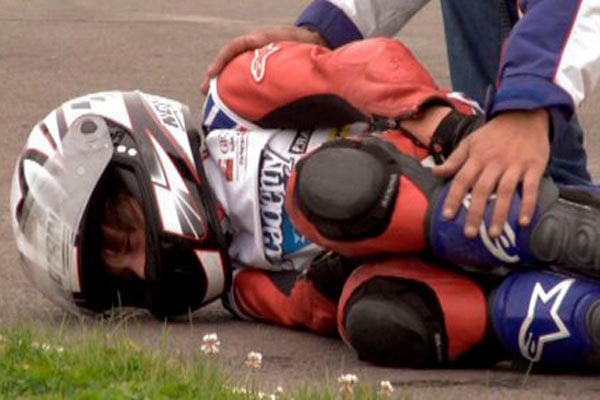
[(51, 51)]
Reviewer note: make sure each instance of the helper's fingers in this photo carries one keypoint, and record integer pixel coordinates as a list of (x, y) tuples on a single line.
[(531, 186), (504, 195), (461, 183), (455, 161), (237, 46), (460, 186), (480, 194), (204, 85), (256, 40)]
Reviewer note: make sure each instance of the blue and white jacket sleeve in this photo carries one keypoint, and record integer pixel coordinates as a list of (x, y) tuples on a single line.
[(343, 21), (551, 59)]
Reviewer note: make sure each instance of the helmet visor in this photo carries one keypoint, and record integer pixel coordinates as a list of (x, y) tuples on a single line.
[(54, 205)]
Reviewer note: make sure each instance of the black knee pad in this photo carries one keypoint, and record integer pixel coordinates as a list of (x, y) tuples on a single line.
[(347, 189), (398, 323)]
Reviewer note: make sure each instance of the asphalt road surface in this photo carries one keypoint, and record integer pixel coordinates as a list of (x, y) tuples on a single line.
[(51, 51)]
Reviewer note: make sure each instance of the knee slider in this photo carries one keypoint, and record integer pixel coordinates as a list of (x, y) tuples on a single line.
[(347, 189), (397, 323)]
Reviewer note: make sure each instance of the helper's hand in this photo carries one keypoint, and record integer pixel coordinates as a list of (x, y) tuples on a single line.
[(512, 148), (255, 40)]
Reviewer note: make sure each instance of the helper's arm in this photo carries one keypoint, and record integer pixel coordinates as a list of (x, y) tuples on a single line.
[(342, 21), (551, 59)]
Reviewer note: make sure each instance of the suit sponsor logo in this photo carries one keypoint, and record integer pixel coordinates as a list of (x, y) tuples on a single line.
[(259, 62), (300, 143), (534, 336), (226, 143), (279, 235)]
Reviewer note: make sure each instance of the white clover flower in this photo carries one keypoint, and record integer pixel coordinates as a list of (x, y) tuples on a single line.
[(210, 344), (385, 390), (42, 346), (59, 349), (276, 395), (347, 382), (239, 390), (254, 360)]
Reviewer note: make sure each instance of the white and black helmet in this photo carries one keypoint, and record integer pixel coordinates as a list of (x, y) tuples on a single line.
[(71, 158)]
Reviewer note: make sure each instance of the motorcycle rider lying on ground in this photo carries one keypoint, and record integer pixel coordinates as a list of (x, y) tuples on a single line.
[(116, 201)]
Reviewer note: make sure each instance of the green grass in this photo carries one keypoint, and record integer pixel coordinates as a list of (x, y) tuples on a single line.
[(100, 367), (98, 363)]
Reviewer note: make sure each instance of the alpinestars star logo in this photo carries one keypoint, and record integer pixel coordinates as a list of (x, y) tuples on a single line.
[(501, 247), (259, 63), (531, 338)]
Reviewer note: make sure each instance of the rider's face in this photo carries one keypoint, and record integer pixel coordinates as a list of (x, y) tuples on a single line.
[(124, 237)]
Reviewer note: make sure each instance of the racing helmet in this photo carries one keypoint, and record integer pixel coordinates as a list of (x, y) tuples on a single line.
[(72, 159)]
